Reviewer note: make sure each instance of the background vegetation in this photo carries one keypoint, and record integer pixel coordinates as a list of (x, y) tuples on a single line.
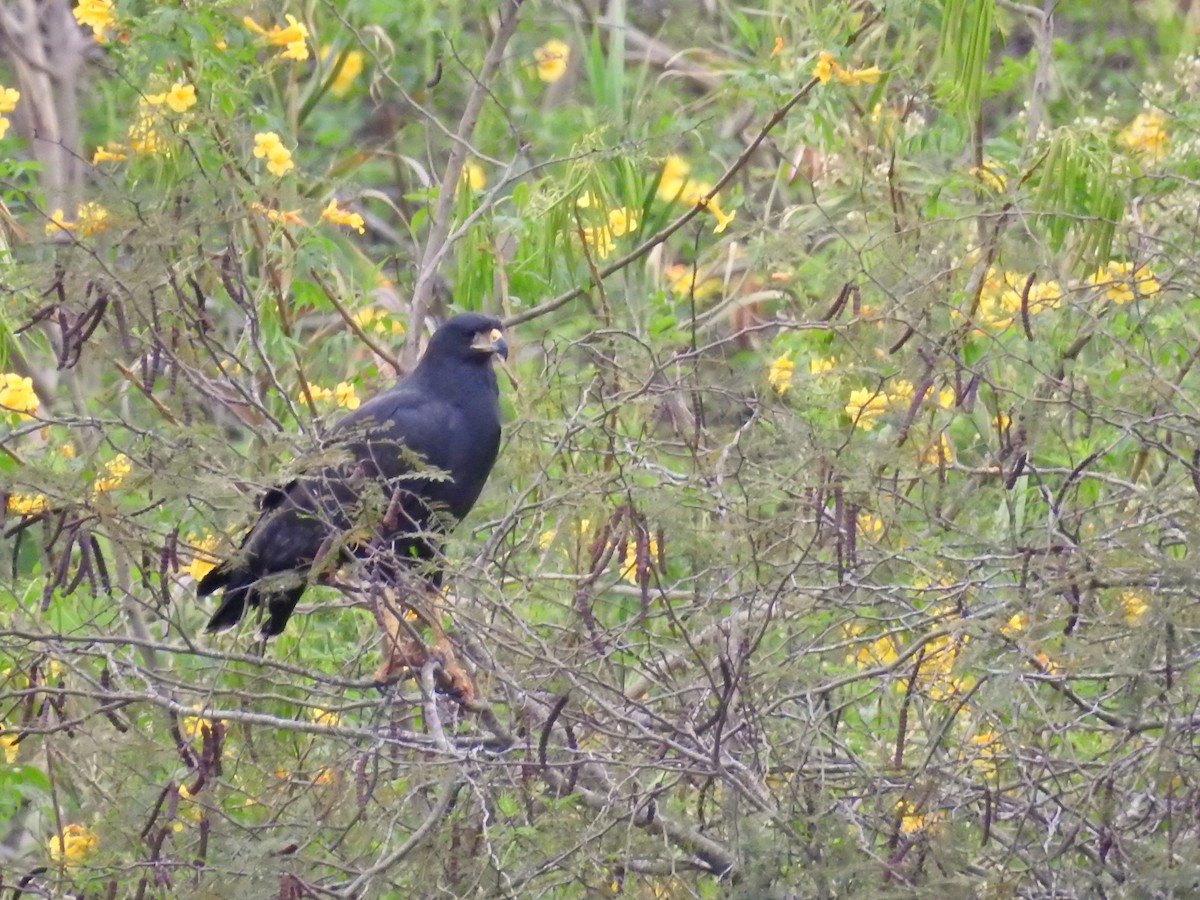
[(840, 542)]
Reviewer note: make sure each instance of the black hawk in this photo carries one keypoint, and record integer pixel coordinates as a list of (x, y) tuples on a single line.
[(404, 468)]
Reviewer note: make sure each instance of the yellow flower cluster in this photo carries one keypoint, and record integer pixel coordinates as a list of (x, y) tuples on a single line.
[(352, 67), (473, 176), (96, 15), (8, 742), (991, 175), (1147, 134), (601, 238), (8, 102), (193, 726), (26, 504), (867, 404), (912, 820), (676, 187), (279, 216), (581, 530), (685, 281), (1017, 623), (551, 59), (378, 321), (1134, 605), (984, 751), (937, 664), (293, 37), (110, 152), (325, 717), (870, 524), (1001, 294), (73, 845), (779, 376), (17, 394), (629, 565), (345, 217), (827, 67), (268, 146), (115, 472), (89, 219), (881, 651), (203, 558), (1123, 284), (343, 394)]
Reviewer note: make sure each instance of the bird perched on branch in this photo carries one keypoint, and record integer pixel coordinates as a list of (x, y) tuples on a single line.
[(403, 469)]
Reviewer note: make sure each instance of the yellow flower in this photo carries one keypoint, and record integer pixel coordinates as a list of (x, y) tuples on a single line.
[(1048, 665), (352, 67), (203, 559), (991, 175), (378, 320), (325, 717), (870, 524), (26, 504), (1122, 284), (17, 394), (294, 37), (601, 240), (1135, 606), (882, 651), (869, 75), (9, 743), (587, 200), (279, 216), (58, 220), (552, 58), (779, 376), (546, 538), (1015, 625), (193, 726), (144, 137), (73, 845), (825, 67), (911, 820), (674, 186), (343, 216), (268, 146), (629, 567), (867, 405), (473, 176), (1147, 134), (684, 280), (181, 97), (91, 218), (116, 470), (8, 99), (941, 451), (110, 151), (987, 746), (623, 220), (817, 365), (345, 396), (674, 177), (95, 14), (778, 45), (723, 218), (318, 393)]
